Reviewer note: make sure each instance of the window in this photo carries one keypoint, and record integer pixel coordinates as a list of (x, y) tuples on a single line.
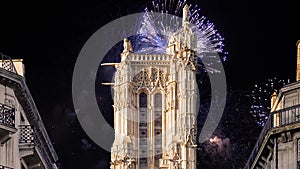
[(158, 127), (143, 100), (143, 129)]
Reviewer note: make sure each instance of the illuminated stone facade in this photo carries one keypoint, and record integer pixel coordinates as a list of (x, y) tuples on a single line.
[(155, 106), (24, 142)]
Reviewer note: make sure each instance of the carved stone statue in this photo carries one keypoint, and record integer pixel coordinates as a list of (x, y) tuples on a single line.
[(127, 45)]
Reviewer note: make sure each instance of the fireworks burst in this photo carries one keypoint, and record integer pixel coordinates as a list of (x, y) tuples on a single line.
[(260, 96), (154, 32)]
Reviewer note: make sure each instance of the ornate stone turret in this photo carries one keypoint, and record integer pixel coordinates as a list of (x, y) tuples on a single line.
[(182, 43)]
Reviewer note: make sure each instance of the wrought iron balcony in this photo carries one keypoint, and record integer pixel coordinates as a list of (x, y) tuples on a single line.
[(277, 119), (32, 140), (7, 116), (4, 167), (7, 122), (7, 64)]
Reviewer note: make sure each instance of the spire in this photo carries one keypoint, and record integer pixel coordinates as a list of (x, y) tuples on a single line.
[(185, 15)]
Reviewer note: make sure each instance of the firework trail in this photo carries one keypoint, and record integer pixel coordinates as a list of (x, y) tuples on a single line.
[(154, 32), (260, 96)]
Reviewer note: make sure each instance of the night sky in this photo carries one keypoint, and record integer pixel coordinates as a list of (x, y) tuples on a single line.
[(260, 38)]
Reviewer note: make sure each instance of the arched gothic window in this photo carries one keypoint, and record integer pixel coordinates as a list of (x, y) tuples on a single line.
[(158, 127), (143, 130)]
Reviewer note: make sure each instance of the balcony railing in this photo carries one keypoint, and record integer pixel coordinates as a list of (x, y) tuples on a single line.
[(7, 64), (280, 118), (4, 167), (30, 136), (7, 116), (159, 57), (26, 134)]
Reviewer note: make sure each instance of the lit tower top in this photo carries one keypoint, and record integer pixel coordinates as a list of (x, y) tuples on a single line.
[(182, 44), (186, 35)]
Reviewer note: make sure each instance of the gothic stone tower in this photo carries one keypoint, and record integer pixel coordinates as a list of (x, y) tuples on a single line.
[(155, 106)]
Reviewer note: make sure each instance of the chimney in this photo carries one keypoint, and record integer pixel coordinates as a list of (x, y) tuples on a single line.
[(298, 61)]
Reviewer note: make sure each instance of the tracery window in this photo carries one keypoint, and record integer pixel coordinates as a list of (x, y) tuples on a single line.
[(143, 129), (158, 127)]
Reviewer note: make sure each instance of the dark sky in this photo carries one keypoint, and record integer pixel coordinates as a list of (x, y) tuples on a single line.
[(260, 37)]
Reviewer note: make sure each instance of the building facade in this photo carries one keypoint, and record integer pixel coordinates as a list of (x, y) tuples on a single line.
[(278, 146), (155, 112), (24, 142)]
